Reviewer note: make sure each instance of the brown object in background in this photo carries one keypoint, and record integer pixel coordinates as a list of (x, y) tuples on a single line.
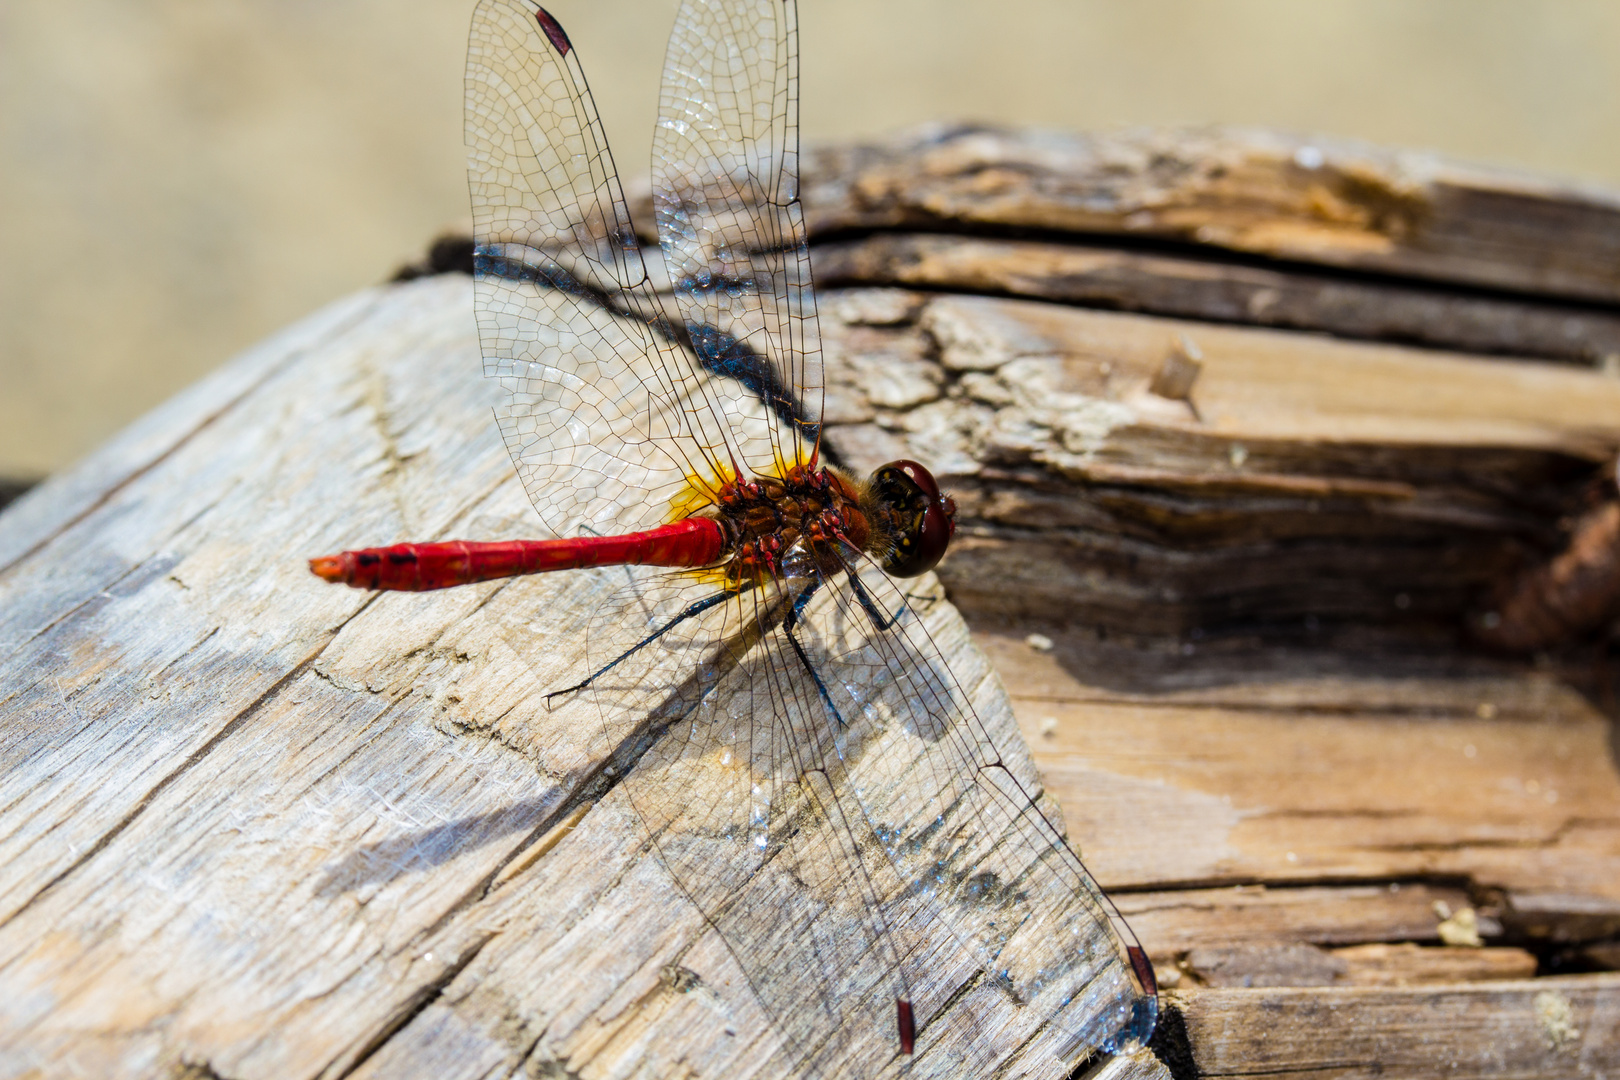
[(1563, 600)]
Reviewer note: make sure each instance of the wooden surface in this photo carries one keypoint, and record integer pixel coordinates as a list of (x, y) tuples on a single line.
[(1322, 202), (282, 829), (1304, 477), (1225, 291), (252, 826)]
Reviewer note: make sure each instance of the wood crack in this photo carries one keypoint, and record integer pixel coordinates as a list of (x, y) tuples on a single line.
[(192, 760), (412, 1007)]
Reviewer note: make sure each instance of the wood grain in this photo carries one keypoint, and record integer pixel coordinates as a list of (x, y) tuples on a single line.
[(1544, 1028), (282, 829), (1223, 290), (1312, 201), (1305, 482), (253, 826)]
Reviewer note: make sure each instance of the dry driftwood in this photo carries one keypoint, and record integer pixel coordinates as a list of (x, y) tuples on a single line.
[(254, 826), (273, 828), (1298, 479), (1225, 291), (1314, 201)]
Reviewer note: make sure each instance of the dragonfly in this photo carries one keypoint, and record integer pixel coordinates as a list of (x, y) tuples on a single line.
[(815, 780)]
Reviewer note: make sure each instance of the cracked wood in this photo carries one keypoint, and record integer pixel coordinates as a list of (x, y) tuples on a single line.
[(255, 827)]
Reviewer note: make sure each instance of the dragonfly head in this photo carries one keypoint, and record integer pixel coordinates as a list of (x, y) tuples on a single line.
[(921, 519)]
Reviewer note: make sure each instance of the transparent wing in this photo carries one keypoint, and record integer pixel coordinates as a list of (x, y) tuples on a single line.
[(957, 820), (736, 789), (820, 787), (607, 415), (726, 192)]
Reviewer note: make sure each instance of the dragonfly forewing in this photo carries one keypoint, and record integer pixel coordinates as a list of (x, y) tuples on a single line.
[(608, 417), (726, 193)]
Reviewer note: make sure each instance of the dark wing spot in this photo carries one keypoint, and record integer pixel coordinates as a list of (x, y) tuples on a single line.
[(553, 30)]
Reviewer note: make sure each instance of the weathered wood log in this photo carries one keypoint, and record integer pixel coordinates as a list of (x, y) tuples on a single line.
[(1225, 290), (1315, 201), (296, 830), (255, 826), (1303, 482), (1201, 487), (1531, 1027)]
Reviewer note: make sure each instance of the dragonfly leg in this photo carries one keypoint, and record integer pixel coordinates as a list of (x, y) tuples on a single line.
[(879, 616), (788, 625), (691, 611), (926, 601)]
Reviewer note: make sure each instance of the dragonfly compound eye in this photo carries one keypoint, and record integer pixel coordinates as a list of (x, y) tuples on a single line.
[(920, 519)]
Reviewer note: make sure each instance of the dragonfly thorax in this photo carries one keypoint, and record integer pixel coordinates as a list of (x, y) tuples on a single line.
[(897, 516)]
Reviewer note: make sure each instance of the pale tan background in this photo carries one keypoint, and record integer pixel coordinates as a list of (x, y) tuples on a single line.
[(180, 177)]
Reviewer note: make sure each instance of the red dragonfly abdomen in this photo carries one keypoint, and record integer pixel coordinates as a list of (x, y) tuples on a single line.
[(417, 567)]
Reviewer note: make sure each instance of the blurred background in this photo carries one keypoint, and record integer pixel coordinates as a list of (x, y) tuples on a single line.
[(179, 178)]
